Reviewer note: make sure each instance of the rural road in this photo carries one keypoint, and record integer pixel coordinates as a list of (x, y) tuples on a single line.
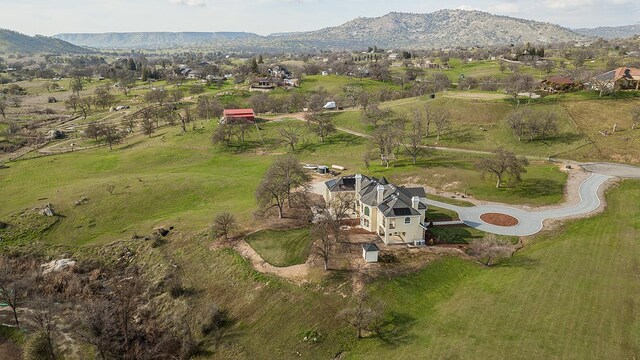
[(531, 222)]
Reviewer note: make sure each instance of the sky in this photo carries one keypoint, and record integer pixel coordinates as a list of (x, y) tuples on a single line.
[(49, 17)]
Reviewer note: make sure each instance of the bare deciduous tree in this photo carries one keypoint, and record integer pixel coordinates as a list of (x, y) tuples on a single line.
[(442, 123), (635, 117), (224, 224), (290, 135), (323, 127), (325, 241), (14, 286), (489, 249), (413, 143), (364, 314), (519, 83), (3, 106), (503, 163), (386, 138), (283, 176)]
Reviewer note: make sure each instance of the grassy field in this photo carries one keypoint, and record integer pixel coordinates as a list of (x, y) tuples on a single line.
[(572, 294), (595, 116), (335, 83), (479, 125), (282, 248)]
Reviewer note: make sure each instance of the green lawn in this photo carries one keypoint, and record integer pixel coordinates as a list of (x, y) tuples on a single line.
[(571, 294), (435, 213), (335, 83), (282, 247)]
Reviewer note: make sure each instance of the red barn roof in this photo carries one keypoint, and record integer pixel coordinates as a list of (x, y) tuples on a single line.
[(239, 113)]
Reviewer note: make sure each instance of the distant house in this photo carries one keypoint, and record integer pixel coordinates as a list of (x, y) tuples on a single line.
[(558, 83), (397, 214), (623, 78), (238, 116), (265, 83), (393, 56)]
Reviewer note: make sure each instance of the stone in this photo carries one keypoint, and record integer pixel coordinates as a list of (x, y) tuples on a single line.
[(58, 266), (47, 210), (54, 134)]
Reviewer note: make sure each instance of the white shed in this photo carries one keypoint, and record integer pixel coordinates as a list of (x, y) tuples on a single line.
[(331, 105), (370, 252)]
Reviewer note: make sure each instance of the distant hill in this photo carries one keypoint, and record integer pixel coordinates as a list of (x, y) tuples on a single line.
[(611, 32), (15, 42), (444, 28), (441, 29), (161, 40)]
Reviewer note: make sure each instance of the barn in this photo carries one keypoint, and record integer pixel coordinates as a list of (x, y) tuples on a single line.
[(235, 116)]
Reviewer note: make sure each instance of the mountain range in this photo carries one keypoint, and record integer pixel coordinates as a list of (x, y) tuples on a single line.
[(611, 32), (440, 29), (444, 28), (15, 42)]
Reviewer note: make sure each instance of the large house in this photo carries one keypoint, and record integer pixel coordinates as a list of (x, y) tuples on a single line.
[(396, 213), (621, 78)]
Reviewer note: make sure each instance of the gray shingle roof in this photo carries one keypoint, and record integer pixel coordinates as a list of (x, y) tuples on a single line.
[(370, 247)]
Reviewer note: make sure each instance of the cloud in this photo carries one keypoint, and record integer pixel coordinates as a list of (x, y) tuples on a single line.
[(189, 3), (504, 8), (567, 4)]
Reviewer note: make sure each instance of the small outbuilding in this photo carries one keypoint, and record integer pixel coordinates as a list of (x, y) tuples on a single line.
[(235, 116), (331, 105), (370, 252)]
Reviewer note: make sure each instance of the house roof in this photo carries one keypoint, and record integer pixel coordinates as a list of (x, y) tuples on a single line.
[(394, 207), (627, 73), (345, 183), (396, 200), (370, 247), (620, 73), (239, 113)]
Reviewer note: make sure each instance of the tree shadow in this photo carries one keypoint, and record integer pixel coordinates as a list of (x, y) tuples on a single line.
[(464, 135), (564, 138), (395, 332), (519, 261), (534, 188)]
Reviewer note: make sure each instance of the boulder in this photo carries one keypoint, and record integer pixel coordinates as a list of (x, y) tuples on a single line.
[(47, 210), (54, 134), (58, 266)]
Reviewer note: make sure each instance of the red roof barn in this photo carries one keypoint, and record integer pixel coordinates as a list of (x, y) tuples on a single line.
[(234, 116)]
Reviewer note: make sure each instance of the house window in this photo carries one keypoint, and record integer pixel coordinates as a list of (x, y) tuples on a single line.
[(407, 220), (366, 211)]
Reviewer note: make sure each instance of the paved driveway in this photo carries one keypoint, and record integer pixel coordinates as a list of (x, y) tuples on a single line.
[(531, 222)]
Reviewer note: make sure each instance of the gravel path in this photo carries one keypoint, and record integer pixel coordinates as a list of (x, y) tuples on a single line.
[(532, 221)]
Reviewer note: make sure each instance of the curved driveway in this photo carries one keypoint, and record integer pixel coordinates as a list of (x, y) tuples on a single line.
[(531, 222)]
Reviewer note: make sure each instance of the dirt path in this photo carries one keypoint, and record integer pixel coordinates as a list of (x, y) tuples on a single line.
[(295, 273), (475, 96)]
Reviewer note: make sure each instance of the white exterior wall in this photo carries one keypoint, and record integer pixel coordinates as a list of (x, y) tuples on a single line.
[(370, 256), (408, 232), (372, 218)]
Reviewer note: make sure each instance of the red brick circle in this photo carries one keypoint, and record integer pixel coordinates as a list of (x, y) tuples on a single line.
[(499, 219)]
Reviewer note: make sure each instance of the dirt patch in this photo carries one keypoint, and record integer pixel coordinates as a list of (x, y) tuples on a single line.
[(499, 219)]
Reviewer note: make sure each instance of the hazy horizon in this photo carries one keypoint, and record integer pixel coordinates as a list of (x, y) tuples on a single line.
[(274, 16)]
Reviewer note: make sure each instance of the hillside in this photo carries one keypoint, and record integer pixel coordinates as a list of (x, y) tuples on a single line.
[(15, 42), (133, 40), (445, 28), (611, 32)]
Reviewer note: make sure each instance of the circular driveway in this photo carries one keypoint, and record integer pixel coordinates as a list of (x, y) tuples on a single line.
[(531, 222)]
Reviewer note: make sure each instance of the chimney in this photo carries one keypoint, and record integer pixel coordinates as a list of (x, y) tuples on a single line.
[(415, 202), (358, 184), (380, 189)]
